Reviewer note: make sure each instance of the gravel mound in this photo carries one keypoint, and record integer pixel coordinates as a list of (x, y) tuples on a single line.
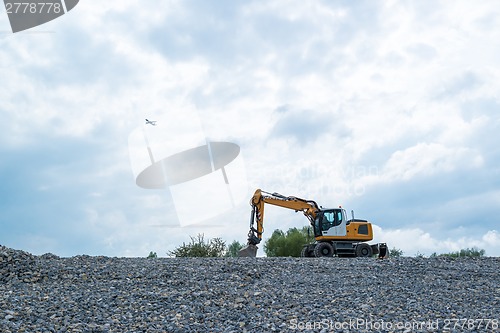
[(101, 294), (17, 266)]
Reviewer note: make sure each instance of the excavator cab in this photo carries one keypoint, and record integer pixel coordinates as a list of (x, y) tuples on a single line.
[(330, 222)]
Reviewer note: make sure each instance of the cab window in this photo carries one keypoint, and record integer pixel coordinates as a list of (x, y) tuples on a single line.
[(331, 219)]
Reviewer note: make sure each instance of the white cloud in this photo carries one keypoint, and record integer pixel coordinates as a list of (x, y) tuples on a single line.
[(492, 239), (414, 241), (427, 159), (387, 96)]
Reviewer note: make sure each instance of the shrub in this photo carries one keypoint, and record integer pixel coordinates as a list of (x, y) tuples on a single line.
[(473, 252), (395, 252), (216, 247)]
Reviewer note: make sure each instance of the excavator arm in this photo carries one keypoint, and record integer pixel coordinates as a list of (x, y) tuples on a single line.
[(308, 207)]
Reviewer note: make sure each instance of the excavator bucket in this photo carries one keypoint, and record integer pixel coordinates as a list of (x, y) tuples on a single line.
[(249, 251)]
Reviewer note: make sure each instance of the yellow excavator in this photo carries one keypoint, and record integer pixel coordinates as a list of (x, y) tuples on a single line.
[(334, 233)]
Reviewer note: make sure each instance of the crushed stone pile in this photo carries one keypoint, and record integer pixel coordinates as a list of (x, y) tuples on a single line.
[(102, 294), (16, 266)]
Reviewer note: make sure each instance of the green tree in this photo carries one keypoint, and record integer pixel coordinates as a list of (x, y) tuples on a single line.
[(233, 249), (152, 255), (198, 247), (395, 252), (308, 234), (287, 244)]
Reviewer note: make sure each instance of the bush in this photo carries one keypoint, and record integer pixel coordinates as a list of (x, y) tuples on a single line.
[(152, 255), (473, 252), (289, 244), (395, 252), (419, 255), (216, 247)]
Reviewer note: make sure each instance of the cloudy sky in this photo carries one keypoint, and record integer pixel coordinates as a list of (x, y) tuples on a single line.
[(390, 108)]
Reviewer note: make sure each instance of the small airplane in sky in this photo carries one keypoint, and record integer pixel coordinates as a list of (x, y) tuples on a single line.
[(151, 122)]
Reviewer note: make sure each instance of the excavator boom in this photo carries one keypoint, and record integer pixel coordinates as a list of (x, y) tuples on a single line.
[(260, 198)]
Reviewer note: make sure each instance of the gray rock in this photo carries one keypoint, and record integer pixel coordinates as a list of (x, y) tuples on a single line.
[(101, 294)]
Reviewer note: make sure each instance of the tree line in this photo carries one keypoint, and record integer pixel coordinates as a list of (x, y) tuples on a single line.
[(280, 244)]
